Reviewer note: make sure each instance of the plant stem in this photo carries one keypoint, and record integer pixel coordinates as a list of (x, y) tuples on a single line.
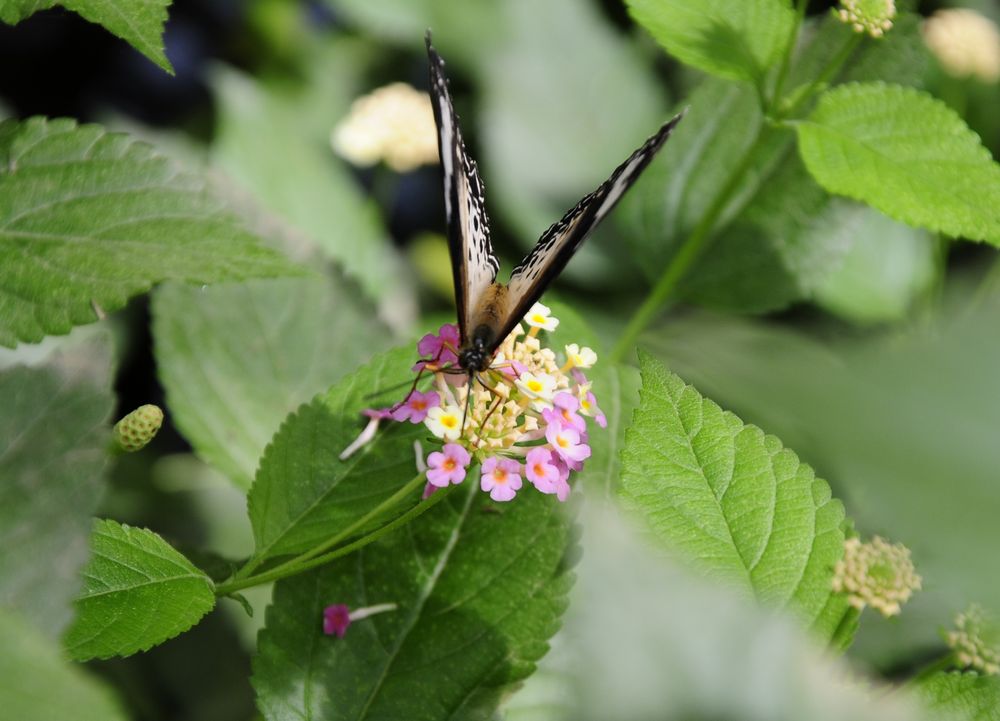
[(686, 254), (388, 503), (828, 73), (309, 560), (786, 60)]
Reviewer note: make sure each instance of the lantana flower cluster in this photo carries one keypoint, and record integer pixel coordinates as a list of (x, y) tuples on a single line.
[(877, 574), (526, 420)]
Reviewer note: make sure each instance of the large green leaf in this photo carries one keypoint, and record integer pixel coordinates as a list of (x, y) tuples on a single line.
[(138, 592), (38, 684), (735, 39), (235, 359), (731, 499), (479, 588), (906, 154), (138, 22), (267, 141), (962, 696), (303, 493), (53, 448), (901, 423), (89, 218)]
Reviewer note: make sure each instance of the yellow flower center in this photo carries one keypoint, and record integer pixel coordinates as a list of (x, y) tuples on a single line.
[(538, 318), (449, 464), (534, 386), (500, 475), (561, 440), (449, 421), (539, 469)]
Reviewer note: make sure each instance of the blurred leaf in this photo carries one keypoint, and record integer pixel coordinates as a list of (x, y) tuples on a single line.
[(735, 39), (55, 434), (888, 265), (137, 22), (235, 359), (268, 140), (556, 121), (647, 639), (90, 219), (731, 499), (902, 423), (962, 696), (906, 154), (38, 684), (304, 493), (470, 30), (138, 592), (480, 589)]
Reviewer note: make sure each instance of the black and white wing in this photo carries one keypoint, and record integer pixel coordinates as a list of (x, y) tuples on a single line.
[(473, 263), (558, 244)]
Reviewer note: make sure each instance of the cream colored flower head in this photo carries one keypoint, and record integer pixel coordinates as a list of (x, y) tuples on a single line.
[(966, 43), (868, 16), (394, 124), (976, 641), (877, 574)]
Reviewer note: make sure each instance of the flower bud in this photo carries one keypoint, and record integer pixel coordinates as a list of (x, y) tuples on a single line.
[(138, 428), (876, 574)]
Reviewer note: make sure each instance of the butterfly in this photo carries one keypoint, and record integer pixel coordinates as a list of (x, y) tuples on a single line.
[(487, 310)]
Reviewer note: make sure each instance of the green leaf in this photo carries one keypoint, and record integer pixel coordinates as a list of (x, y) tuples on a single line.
[(303, 493), (480, 588), (236, 359), (138, 591), (962, 696), (906, 154), (137, 22), (888, 265), (53, 448), (731, 499), (900, 422), (267, 145), (735, 39), (90, 218), (38, 684)]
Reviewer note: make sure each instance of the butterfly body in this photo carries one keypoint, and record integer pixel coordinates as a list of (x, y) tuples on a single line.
[(488, 310)]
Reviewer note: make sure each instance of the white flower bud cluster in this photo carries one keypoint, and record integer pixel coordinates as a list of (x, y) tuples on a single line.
[(868, 16), (976, 641), (877, 574), (966, 43)]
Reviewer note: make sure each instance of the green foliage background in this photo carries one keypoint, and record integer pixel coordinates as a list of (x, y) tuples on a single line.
[(794, 311)]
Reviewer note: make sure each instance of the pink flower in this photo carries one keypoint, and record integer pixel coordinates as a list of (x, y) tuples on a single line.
[(563, 413), (602, 420), (541, 470), (377, 414), (566, 443), (336, 619), (414, 408), (562, 485), (448, 466), (429, 489), (440, 348), (501, 477)]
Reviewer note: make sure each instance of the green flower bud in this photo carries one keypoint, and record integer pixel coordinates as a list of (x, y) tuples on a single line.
[(976, 641), (138, 428), (868, 16)]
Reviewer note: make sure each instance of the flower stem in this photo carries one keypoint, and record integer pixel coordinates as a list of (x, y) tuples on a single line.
[(802, 96), (786, 60), (686, 255), (316, 556)]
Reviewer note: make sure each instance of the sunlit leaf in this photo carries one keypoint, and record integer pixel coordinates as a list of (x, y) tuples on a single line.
[(89, 219), (138, 592), (138, 22), (235, 359), (38, 684), (480, 588), (731, 499), (906, 154), (736, 39), (54, 434)]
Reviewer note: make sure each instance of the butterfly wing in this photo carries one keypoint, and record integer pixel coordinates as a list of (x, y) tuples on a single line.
[(473, 263), (558, 244)]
